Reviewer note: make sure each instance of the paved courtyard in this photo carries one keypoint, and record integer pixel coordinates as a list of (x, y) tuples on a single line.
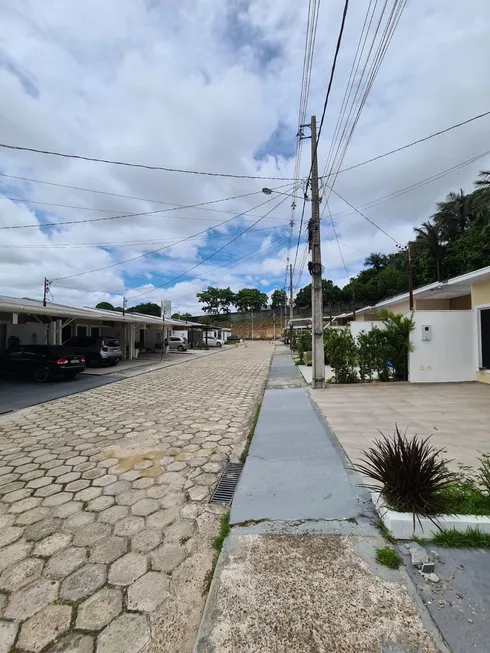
[(105, 529), (457, 415)]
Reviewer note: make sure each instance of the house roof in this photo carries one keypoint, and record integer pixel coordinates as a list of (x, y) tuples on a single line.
[(35, 307), (450, 289)]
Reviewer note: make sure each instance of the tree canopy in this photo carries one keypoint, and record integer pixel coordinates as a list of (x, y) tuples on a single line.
[(105, 306), (216, 300), (146, 309), (278, 299), (249, 299)]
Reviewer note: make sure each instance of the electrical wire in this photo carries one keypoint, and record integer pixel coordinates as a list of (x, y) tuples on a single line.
[(134, 258), (211, 255), (139, 165), (130, 215)]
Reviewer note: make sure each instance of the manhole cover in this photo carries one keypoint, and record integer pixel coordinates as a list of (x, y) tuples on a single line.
[(226, 487)]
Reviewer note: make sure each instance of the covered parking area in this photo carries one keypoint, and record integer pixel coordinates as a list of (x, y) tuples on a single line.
[(28, 321)]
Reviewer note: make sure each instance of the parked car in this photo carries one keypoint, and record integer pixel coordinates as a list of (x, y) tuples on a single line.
[(97, 351), (41, 362), (177, 343), (233, 339), (213, 342)]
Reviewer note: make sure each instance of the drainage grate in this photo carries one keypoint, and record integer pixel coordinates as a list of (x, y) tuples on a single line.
[(226, 487)]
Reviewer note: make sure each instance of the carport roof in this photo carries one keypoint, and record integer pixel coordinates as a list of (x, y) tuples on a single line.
[(449, 289), (35, 307)]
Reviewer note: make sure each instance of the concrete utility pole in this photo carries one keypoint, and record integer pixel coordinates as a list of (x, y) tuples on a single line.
[(291, 307), (317, 356), (47, 283), (410, 275)]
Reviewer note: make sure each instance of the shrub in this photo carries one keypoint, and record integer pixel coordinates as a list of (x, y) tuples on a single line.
[(341, 352), (411, 474), (388, 557), (303, 343), (397, 334), (373, 355), (484, 472)]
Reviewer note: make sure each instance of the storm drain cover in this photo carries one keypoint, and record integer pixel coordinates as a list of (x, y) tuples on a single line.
[(226, 487)]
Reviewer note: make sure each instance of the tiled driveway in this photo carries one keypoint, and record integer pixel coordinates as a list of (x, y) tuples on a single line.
[(105, 529), (457, 415)]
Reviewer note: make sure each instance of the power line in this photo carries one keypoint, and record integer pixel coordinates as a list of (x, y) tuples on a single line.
[(103, 192), (134, 258), (129, 215), (213, 254), (139, 165), (128, 243), (404, 147)]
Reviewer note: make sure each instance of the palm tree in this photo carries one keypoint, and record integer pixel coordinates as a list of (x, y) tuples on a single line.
[(429, 235), (376, 261), (454, 215), (484, 182)]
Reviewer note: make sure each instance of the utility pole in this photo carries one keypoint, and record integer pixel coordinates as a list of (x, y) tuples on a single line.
[(124, 306), (274, 324), (47, 283), (315, 267), (410, 275), (291, 308)]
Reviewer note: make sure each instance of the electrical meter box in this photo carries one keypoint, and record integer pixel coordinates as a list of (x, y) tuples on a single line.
[(426, 332)]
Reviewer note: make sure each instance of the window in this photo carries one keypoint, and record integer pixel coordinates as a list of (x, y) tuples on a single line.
[(82, 330), (95, 332), (142, 337)]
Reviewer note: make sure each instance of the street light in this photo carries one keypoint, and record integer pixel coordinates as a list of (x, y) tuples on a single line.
[(269, 191)]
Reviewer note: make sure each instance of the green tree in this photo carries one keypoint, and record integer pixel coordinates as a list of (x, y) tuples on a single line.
[(249, 299), (376, 261), (182, 316), (216, 300), (429, 236), (106, 306), (148, 308), (484, 182), (278, 299)]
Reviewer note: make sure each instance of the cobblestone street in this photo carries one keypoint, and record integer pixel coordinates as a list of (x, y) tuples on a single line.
[(105, 529)]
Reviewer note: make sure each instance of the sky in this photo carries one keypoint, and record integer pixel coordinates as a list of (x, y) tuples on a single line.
[(214, 86)]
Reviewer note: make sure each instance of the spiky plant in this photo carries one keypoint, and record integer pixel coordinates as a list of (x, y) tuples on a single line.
[(410, 474)]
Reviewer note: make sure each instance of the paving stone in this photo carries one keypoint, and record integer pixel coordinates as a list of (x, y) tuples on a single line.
[(77, 485), (18, 494), (30, 476), (48, 490), (64, 562), (148, 592), (198, 493), (83, 582), (91, 534), (145, 507), (76, 460), (162, 518), (26, 602), (142, 483), (13, 553), (84, 467), (40, 482), (42, 529), (146, 540), (128, 633), (98, 610), (52, 544), (180, 530), (91, 474), (6, 520), (108, 550), (127, 569), (107, 479), (74, 643), (116, 488), (9, 483), (21, 574), (58, 499), (156, 492), (99, 504), (10, 534), (128, 526), (8, 633), (88, 494), (59, 471), (24, 469), (131, 475), (130, 497), (32, 516), (71, 477), (25, 504), (3, 602), (78, 521), (66, 509), (114, 514), (167, 557), (44, 627)]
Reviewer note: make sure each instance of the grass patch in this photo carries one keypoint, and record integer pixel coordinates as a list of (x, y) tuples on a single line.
[(464, 497), (388, 557), (250, 435), (217, 542), (472, 537), (384, 532), (298, 361)]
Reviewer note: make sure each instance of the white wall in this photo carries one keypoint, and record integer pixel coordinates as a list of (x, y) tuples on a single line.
[(450, 354), (357, 327), (28, 334)]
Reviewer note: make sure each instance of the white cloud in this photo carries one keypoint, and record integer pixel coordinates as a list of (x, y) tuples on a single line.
[(203, 85)]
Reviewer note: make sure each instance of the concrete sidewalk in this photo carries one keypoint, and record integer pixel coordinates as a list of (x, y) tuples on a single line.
[(297, 573)]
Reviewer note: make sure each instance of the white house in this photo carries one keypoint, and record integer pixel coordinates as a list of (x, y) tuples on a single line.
[(451, 338)]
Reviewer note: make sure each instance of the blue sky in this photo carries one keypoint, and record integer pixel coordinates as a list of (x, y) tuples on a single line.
[(215, 87)]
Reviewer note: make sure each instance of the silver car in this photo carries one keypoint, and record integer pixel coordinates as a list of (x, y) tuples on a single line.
[(177, 343), (211, 341), (97, 351)]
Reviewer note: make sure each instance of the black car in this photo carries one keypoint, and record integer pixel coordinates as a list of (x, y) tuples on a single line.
[(41, 362)]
